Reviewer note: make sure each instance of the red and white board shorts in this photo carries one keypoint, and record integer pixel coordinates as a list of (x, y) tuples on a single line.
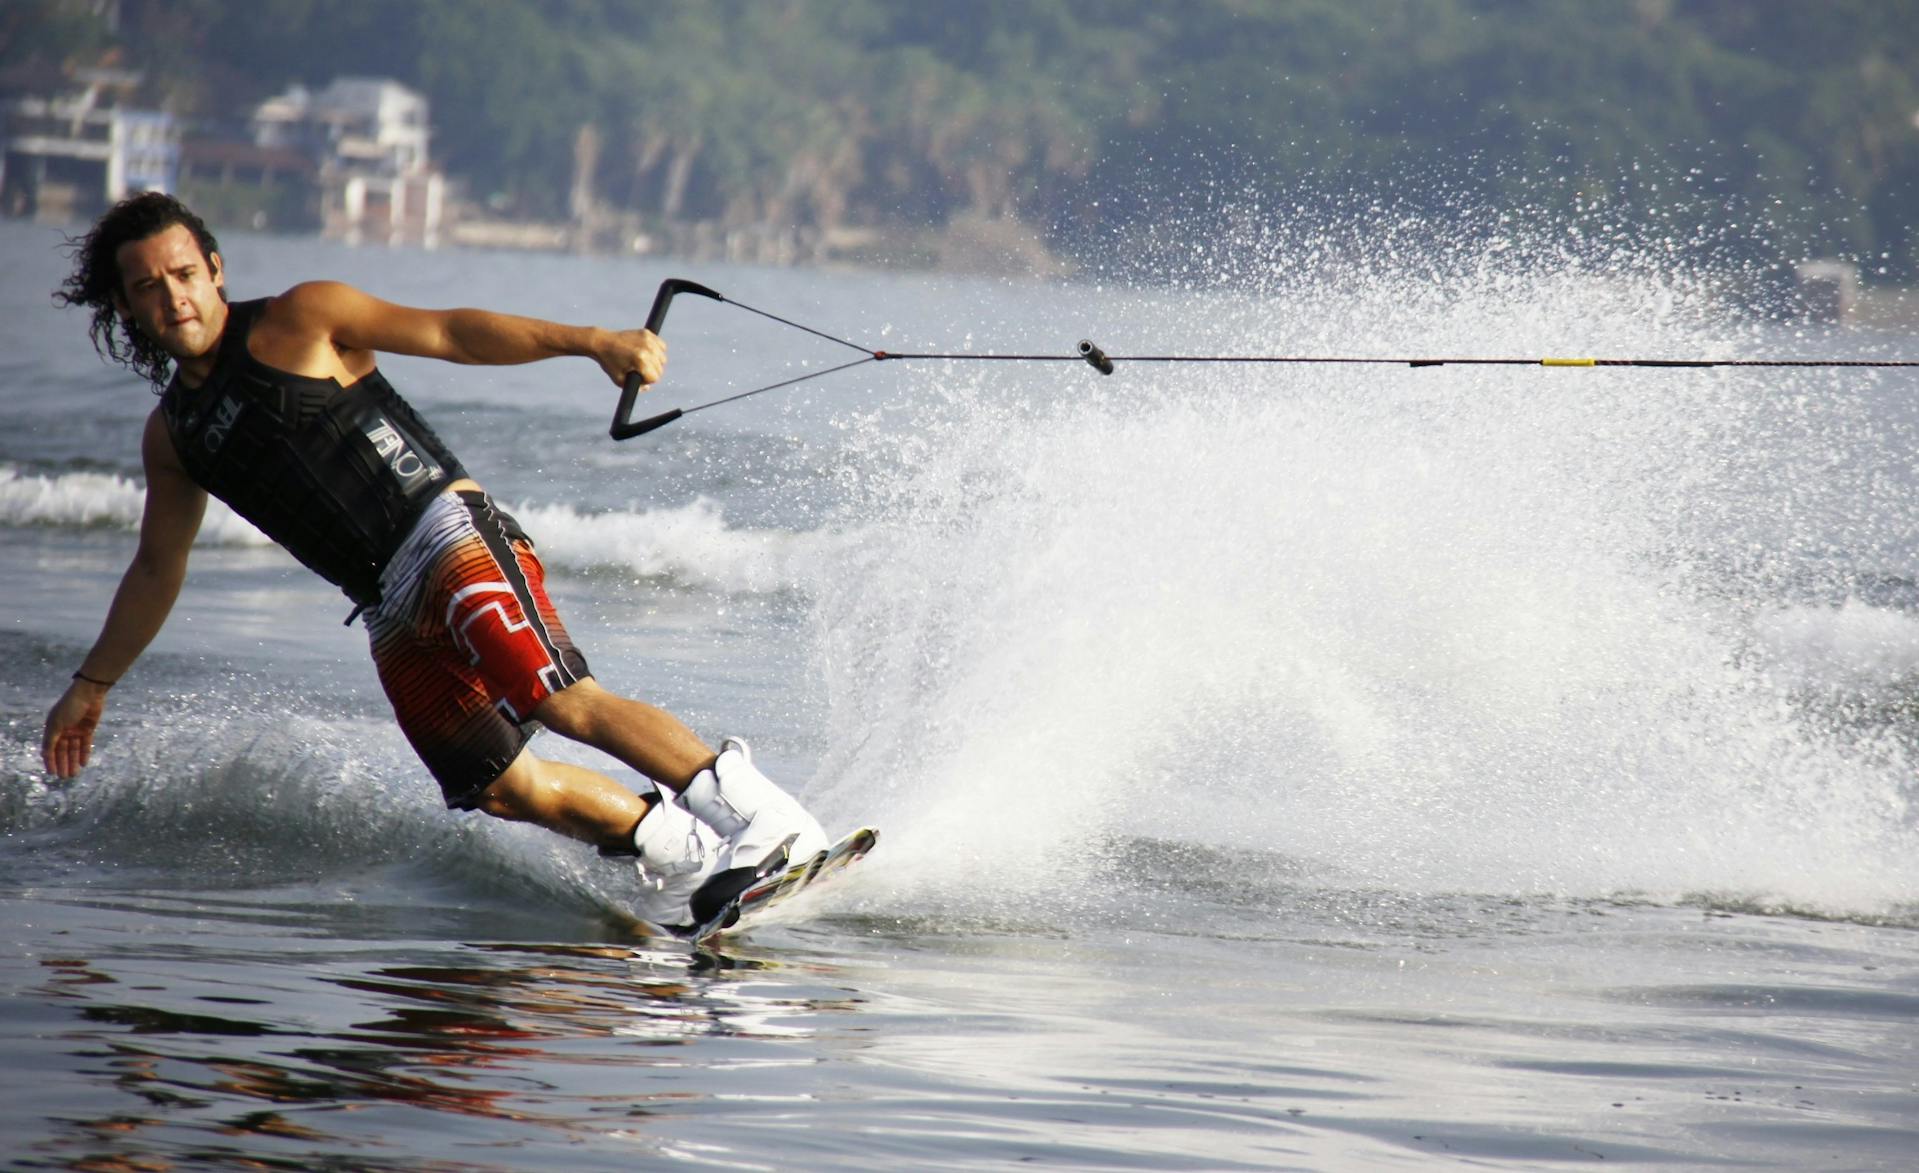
[(467, 643)]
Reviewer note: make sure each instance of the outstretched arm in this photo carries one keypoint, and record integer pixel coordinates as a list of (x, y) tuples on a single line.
[(174, 507), (351, 320)]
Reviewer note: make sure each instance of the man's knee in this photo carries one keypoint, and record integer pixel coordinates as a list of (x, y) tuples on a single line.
[(515, 794), (575, 711)]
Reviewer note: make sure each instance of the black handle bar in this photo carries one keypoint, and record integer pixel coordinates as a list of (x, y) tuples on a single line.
[(623, 426)]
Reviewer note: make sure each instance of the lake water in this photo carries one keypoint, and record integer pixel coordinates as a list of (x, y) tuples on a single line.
[(1279, 767)]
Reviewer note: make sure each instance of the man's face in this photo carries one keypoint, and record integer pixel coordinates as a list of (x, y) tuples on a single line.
[(171, 292)]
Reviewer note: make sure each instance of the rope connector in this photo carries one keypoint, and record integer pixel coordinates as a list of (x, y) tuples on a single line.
[(1095, 356)]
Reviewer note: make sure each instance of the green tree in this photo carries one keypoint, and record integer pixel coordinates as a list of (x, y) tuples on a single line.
[(1710, 119)]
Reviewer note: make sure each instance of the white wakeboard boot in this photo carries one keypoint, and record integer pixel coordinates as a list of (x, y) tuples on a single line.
[(677, 854), (761, 828)]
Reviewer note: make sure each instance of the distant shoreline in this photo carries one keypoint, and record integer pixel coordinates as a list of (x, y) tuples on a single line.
[(994, 249)]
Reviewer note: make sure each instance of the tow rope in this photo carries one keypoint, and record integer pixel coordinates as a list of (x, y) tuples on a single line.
[(625, 428)]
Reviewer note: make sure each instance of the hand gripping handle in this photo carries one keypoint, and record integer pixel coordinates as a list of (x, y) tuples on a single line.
[(623, 426)]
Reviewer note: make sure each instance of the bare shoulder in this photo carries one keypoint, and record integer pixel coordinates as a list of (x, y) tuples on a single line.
[(157, 452), (313, 306), (156, 439), (345, 316), (313, 329), (174, 503)]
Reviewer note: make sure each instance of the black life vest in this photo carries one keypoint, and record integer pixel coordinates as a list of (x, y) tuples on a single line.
[(337, 475)]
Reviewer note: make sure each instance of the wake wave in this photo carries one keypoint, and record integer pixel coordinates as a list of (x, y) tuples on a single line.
[(88, 500), (693, 544), (251, 794)]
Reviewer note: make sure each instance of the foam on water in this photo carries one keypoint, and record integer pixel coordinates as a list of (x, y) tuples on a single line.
[(1855, 648), (248, 792), (88, 500), (693, 544), (1435, 630)]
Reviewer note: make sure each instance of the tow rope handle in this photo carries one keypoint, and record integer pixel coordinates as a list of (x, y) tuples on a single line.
[(624, 427)]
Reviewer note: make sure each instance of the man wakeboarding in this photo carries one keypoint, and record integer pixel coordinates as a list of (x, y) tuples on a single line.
[(278, 408)]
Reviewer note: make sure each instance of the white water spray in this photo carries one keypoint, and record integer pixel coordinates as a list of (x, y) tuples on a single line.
[(1424, 630)]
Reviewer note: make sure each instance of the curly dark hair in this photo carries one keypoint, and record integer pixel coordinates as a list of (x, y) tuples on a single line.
[(95, 280)]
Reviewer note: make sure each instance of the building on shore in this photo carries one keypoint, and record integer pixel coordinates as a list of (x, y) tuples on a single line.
[(72, 142), (234, 181), (348, 160), (368, 140)]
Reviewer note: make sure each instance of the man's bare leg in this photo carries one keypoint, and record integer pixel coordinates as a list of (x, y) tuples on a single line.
[(585, 804), (651, 740), (572, 800)]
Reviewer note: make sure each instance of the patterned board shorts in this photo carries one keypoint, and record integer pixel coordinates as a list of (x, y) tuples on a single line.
[(466, 642)]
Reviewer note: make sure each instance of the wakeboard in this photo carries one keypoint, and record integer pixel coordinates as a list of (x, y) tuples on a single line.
[(738, 914)]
